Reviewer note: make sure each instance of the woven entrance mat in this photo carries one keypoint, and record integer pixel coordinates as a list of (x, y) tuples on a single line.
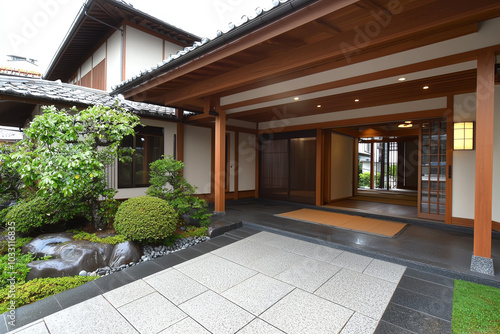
[(354, 223)]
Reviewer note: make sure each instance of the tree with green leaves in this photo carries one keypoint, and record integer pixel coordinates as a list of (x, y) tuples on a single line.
[(65, 154), (168, 183)]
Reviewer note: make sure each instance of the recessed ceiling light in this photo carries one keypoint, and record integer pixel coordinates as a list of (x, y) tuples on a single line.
[(425, 87), (357, 100), (296, 98), (407, 122), (318, 106), (402, 79), (405, 125)]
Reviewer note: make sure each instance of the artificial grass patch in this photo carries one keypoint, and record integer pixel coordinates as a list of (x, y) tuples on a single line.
[(476, 308)]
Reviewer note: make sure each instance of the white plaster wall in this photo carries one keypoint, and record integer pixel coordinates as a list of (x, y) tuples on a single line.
[(342, 168), (169, 130), (114, 63), (171, 49), (241, 124), (99, 55), (231, 159), (464, 108), (247, 155), (142, 51), (389, 109), (198, 157)]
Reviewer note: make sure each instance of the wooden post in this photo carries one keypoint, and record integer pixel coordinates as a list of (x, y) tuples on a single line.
[(484, 154), (449, 160), (220, 160), (180, 135), (319, 165)]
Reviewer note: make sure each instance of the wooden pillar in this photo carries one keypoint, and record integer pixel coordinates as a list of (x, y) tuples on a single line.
[(355, 161), (327, 166), (319, 165), (220, 160), (257, 151), (236, 166), (372, 165), (449, 160), (180, 136), (484, 154)]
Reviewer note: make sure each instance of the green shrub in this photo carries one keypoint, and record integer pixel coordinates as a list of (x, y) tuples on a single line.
[(14, 265), (18, 244), (82, 235), (34, 215), (145, 219), (30, 292), (168, 183)]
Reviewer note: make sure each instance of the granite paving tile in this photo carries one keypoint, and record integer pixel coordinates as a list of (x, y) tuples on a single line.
[(312, 250), (95, 315), (438, 279), (359, 324), (387, 328), (275, 262), (116, 280), (437, 307), (270, 239), (152, 313), (361, 293), (308, 274), (216, 313), (259, 326), (385, 270), (128, 293), (79, 294), (175, 286), (301, 312), (426, 288), (257, 293), (244, 252), (31, 312), (185, 326), (143, 269), (216, 273), (415, 321), (223, 240), (352, 261), (3, 324), (37, 327)]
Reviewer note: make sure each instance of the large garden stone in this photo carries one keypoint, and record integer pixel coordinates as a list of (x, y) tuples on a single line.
[(125, 253), (70, 258), (46, 244)]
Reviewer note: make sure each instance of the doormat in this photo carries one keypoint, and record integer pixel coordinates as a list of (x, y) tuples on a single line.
[(354, 223)]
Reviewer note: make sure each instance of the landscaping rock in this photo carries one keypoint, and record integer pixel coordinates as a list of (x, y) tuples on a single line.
[(125, 253), (70, 259), (46, 244)]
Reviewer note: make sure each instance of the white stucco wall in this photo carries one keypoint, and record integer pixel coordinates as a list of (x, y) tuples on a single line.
[(341, 162), (231, 159), (198, 157), (141, 51), (99, 55), (464, 162), (247, 155), (114, 62)]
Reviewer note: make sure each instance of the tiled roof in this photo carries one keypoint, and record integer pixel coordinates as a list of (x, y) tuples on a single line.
[(171, 60), (54, 92)]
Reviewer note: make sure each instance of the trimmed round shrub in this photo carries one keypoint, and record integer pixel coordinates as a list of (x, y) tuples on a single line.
[(145, 219), (33, 215)]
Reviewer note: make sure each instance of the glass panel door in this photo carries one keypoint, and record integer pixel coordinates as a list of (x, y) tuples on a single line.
[(433, 170)]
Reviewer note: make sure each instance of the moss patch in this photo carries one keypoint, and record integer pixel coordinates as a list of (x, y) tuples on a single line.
[(476, 308)]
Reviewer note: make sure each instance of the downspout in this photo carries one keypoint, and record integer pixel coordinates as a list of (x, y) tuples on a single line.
[(122, 41)]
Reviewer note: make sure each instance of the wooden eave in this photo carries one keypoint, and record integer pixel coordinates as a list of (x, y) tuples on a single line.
[(87, 34), (314, 47)]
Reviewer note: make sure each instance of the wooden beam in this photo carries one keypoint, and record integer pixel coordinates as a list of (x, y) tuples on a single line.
[(220, 160), (273, 29), (326, 27), (319, 165), (484, 154), (336, 48)]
